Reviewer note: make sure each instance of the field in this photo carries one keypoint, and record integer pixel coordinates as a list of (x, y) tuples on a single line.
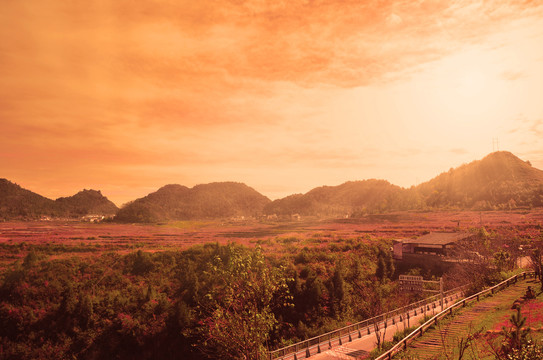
[(81, 290), (58, 238)]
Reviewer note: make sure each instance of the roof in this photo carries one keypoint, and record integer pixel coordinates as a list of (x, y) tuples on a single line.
[(438, 238)]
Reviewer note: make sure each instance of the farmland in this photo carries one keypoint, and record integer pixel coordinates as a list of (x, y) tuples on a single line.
[(57, 237), (80, 289)]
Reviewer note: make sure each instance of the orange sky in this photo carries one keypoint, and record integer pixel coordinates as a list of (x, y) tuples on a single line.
[(127, 96)]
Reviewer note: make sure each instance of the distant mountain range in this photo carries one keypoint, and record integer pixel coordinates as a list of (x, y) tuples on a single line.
[(19, 203), (499, 181)]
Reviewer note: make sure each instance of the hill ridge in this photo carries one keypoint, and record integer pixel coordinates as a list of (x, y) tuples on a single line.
[(499, 181), (19, 203)]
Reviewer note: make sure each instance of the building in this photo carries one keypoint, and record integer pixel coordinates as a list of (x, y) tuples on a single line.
[(437, 243)]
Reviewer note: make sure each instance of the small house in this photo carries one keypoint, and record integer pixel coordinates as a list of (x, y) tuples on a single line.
[(437, 243)]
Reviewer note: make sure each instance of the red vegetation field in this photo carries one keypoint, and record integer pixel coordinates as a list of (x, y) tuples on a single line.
[(87, 239), (72, 288)]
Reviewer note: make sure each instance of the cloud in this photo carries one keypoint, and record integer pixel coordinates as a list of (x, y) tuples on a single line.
[(536, 127), (459, 151), (122, 84), (510, 75)]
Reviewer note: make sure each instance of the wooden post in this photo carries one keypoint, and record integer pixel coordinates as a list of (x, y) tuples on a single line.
[(441, 291)]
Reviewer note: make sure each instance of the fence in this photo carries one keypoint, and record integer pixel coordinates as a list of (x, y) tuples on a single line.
[(434, 320), (314, 345)]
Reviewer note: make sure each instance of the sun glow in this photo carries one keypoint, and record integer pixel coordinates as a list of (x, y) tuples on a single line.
[(472, 84)]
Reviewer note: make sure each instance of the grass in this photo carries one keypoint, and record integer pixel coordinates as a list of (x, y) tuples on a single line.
[(489, 323), (187, 224)]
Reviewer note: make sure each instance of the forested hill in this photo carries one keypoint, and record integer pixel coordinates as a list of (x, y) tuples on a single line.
[(16, 202), (207, 201), (350, 198), (500, 180), (87, 202), (22, 204)]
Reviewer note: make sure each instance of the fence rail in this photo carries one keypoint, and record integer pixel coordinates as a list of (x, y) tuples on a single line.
[(311, 346), (434, 320)]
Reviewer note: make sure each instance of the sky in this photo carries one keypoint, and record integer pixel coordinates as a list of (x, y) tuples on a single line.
[(127, 96)]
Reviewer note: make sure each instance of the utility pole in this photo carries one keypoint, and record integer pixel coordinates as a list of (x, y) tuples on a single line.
[(495, 144)]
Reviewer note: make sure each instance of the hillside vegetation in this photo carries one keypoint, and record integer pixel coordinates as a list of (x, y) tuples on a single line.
[(348, 198), (176, 202), (19, 203), (16, 202), (87, 202), (500, 181)]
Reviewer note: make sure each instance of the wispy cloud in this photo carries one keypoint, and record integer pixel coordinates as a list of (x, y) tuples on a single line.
[(512, 75), (151, 83), (459, 151)]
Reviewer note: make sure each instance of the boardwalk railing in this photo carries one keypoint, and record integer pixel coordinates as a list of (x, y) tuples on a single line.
[(316, 345), (402, 345)]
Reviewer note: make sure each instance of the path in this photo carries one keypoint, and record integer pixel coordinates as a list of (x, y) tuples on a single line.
[(430, 345), (359, 345)]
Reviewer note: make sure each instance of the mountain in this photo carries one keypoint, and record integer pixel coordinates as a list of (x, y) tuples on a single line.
[(19, 203), (348, 198), (208, 201), (86, 202), (16, 202), (499, 181)]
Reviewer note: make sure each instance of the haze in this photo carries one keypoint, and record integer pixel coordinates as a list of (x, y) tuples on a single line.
[(284, 96)]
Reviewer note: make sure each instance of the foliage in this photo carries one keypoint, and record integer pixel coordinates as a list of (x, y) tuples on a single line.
[(176, 202), (206, 302), (19, 203), (530, 351), (517, 345), (237, 313)]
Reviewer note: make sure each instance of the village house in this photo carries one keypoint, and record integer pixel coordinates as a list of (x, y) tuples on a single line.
[(433, 244)]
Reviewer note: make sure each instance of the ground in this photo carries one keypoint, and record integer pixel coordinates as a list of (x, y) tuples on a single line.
[(484, 320), (58, 238)]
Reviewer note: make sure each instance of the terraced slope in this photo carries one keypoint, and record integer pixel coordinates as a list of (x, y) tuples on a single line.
[(481, 316)]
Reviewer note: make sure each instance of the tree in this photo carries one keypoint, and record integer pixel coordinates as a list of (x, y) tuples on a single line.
[(238, 312), (385, 265), (535, 257), (502, 259)]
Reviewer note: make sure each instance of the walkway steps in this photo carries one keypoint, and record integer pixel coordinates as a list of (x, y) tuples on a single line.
[(431, 344)]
